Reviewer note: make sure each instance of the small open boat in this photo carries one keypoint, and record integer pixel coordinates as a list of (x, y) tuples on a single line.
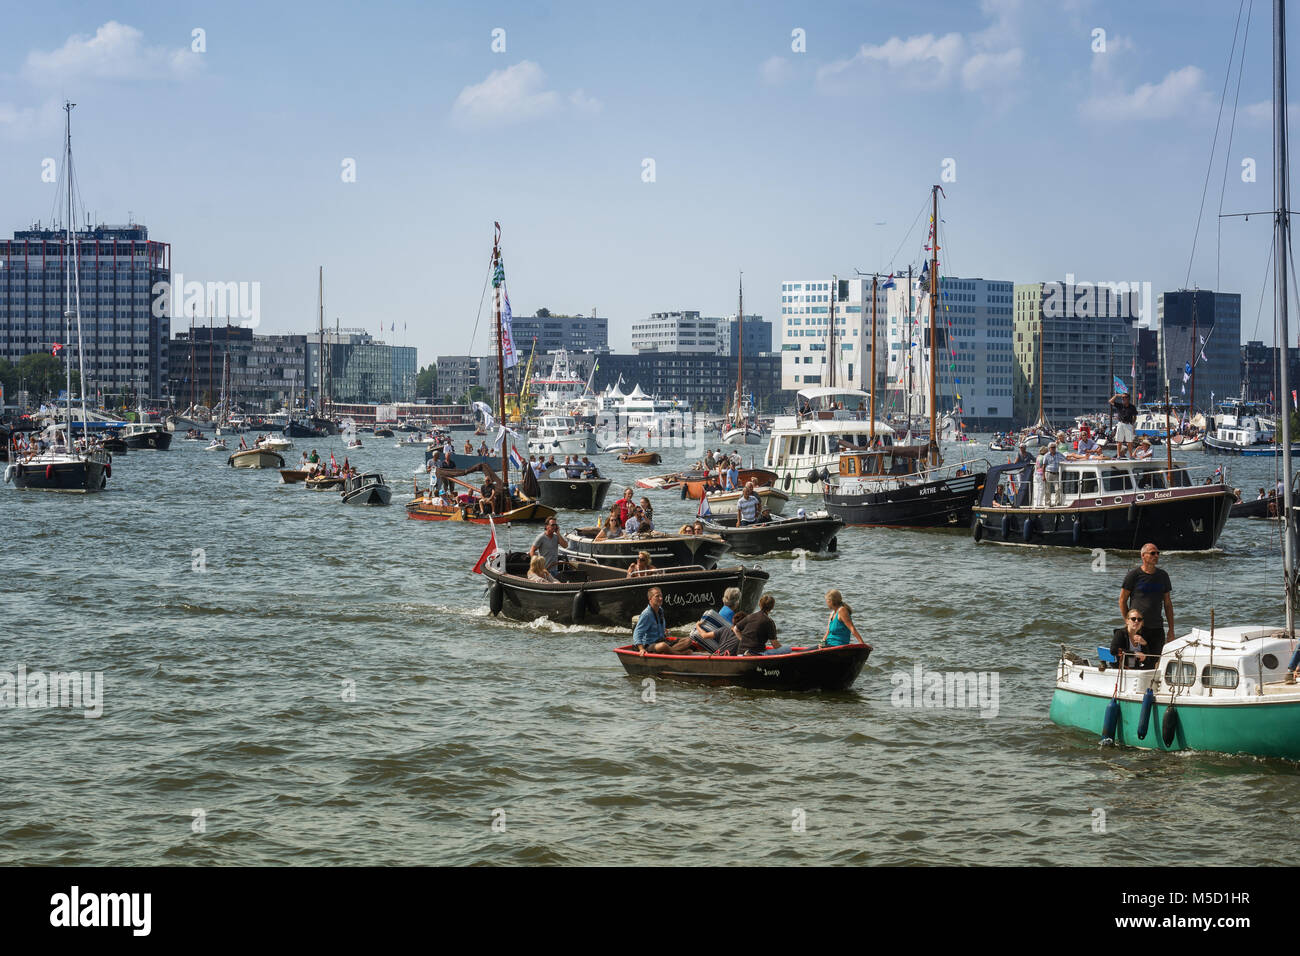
[(665, 550), (292, 476), (324, 483), (367, 489), (641, 458), (815, 668), (660, 482), (273, 444), (255, 458), (693, 487), (218, 444), (591, 593), (557, 490), (815, 533), (529, 512), (769, 499)]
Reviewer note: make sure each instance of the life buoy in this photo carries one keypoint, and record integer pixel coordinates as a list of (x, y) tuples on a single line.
[(496, 598), (977, 528), (579, 607), (1027, 529), (1076, 532)]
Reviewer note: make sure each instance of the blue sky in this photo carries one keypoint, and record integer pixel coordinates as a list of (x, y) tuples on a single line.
[(768, 159)]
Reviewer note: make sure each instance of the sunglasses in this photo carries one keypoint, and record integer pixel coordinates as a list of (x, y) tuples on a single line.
[(1136, 619)]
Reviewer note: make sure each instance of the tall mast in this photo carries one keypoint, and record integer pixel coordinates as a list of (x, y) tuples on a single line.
[(1110, 416), (320, 352), (909, 347), (501, 355), (1042, 333), (835, 284), (872, 413), (1191, 407), (934, 335), (1281, 227), (67, 267), (740, 362)]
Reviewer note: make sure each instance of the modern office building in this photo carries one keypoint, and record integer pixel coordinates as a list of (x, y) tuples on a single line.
[(553, 332), (267, 372), (459, 374), (126, 343), (758, 335), (1202, 329), (682, 332), (700, 382), (358, 369), (1260, 373), (1087, 332)]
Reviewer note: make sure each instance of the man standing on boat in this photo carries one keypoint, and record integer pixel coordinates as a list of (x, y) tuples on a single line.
[(1126, 418), (1147, 590), (1052, 474), (548, 544)]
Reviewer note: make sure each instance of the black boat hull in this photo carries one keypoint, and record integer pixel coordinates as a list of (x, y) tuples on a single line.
[(1184, 523), (591, 595), (668, 551), (574, 494), (830, 668), (814, 534), (74, 477), (1259, 508), (159, 440), (368, 495), (945, 503)]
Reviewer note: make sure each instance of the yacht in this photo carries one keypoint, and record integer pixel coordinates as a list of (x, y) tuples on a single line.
[(806, 444), (555, 435)]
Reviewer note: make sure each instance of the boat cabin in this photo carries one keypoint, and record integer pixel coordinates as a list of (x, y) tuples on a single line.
[(1011, 486), (898, 460)]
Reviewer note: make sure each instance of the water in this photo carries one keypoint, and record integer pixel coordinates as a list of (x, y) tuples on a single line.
[(225, 694)]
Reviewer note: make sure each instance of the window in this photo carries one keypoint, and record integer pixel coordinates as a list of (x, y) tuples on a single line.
[(1180, 674), (1115, 479), (1219, 678), (1088, 486)]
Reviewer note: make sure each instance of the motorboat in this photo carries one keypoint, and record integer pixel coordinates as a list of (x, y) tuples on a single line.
[(813, 533), (898, 487), (255, 458), (366, 489), (573, 488), (666, 550)]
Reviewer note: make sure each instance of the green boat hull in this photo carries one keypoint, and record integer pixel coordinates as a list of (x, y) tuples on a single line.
[(1261, 728)]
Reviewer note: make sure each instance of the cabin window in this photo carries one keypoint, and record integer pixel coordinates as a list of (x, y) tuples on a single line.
[(1115, 479), (803, 442), (1088, 483), (1149, 479), (1070, 484), (1180, 674), (1219, 678)]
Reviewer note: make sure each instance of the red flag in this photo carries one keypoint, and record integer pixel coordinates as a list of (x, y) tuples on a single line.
[(56, 349), (490, 550)]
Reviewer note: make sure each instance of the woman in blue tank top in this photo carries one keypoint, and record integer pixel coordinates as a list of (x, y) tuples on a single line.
[(839, 626)]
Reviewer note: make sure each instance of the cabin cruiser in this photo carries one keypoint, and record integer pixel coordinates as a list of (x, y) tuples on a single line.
[(153, 435), (555, 435), (900, 487), (53, 466), (806, 444), (1242, 429)]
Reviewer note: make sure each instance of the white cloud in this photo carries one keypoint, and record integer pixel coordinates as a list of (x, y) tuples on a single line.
[(515, 95), (923, 62), (115, 52), (987, 71), (776, 70), (1181, 92)]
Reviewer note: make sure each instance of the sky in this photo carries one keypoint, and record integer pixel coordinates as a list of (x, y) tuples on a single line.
[(638, 155)]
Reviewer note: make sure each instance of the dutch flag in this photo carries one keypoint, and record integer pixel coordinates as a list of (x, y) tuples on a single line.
[(516, 459)]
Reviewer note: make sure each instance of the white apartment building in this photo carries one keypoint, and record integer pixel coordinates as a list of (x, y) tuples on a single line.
[(805, 333), (680, 332)]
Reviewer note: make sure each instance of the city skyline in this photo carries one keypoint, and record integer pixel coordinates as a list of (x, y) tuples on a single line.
[(785, 142)]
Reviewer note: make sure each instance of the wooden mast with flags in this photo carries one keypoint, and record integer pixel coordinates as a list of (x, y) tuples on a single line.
[(934, 334), (498, 289)]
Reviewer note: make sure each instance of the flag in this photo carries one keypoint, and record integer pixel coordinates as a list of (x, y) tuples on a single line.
[(490, 550), (1294, 403), (57, 348), (509, 356), (516, 459), (1202, 341), (1187, 370), (704, 511), (1203, 358), (889, 282), (1120, 387)]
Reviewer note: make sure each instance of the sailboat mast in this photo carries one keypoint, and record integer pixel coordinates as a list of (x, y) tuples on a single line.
[(740, 361), (1191, 408), (67, 267), (872, 414), (909, 347), (1281, 228), (934, 335), (320, 331), (501, 357), (835, 284), (76, 296)]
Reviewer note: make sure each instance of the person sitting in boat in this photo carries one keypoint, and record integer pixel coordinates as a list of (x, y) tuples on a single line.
[(724, 639), (648, 508), (483, 450), (698, 527), (1262, 495), (1143, 449), (1128, 640), (588, 467), (642, 565), (747, 506), (757, 632), (686, 529), (537, 570), (633, 524), (651, 633), (839, 626)]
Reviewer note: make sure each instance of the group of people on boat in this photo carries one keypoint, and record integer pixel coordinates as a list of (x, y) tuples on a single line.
[(729, 631), (626, 517)]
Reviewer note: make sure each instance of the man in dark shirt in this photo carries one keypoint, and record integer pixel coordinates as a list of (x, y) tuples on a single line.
[(1146, 589), (757, 629), (1126, 418)]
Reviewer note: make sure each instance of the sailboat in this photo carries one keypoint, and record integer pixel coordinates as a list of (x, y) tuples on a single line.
[(61, 465), (903, 485), (519, 505), (743, 429), (1221, 689)]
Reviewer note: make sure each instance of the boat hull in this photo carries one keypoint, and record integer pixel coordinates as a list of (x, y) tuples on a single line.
[(74, 477), (1263, 729), (574, 494), (159, 440), (945, 503), (369, 495), (829, 668), (532, 513), (292, 476), (255, 458), (814, 534), (666, 551), (1264, 450), (759, 476), (641, 458)]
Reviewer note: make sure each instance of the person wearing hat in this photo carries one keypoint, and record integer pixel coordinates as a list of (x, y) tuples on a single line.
[(1143, 449), (1052, 474)]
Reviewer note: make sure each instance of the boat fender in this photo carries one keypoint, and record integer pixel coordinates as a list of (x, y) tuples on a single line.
[(1132, 513), (1169, 727), (683, 491), (833, 545), (1006, 526), (786, 483), (49, 472), (814, 476), (103, 480), (18, 470), (826, 476), (579, 607), (496, 598), (977, 529), (108, 469), (9, 474), (1076, 532), (1110, 722), (1027, 529), (1144, 717)]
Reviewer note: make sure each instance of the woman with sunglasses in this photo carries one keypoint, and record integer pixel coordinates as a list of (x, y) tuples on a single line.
[(1128, 640)]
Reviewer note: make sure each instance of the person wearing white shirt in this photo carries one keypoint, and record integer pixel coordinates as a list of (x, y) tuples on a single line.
[(1052, 474)]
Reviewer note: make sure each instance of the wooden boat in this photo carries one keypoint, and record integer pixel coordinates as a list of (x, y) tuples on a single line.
[(291, 476), (590, 593), (660, 482), (815, 533), (1258, 508), (815, 668), (641, 457), (367, 489), (528, 512), (665, 550), (255, 458), (693, 486), (324, 483), (724, 502), (898, 487), (557, 490)]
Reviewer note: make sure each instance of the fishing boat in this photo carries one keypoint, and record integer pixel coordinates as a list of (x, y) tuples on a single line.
[(366, 489), (723, 503), (813, 533), (578, 492), (591, 593), (665, 550), (641, 457), (255, 458), (1105, 503), (804, 668)]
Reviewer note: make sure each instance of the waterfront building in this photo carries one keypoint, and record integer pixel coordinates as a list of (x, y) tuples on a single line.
[(679, 332), (553, 332), (1217, 318), (700, 382), (1260, 372), (267, 372), (458, 375), (359, 369), (805, 328)]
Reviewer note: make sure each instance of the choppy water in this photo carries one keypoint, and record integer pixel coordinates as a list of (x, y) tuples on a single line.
[(224, 693)]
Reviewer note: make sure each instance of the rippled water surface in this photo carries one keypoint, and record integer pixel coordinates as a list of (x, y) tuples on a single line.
[(225, 693)]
